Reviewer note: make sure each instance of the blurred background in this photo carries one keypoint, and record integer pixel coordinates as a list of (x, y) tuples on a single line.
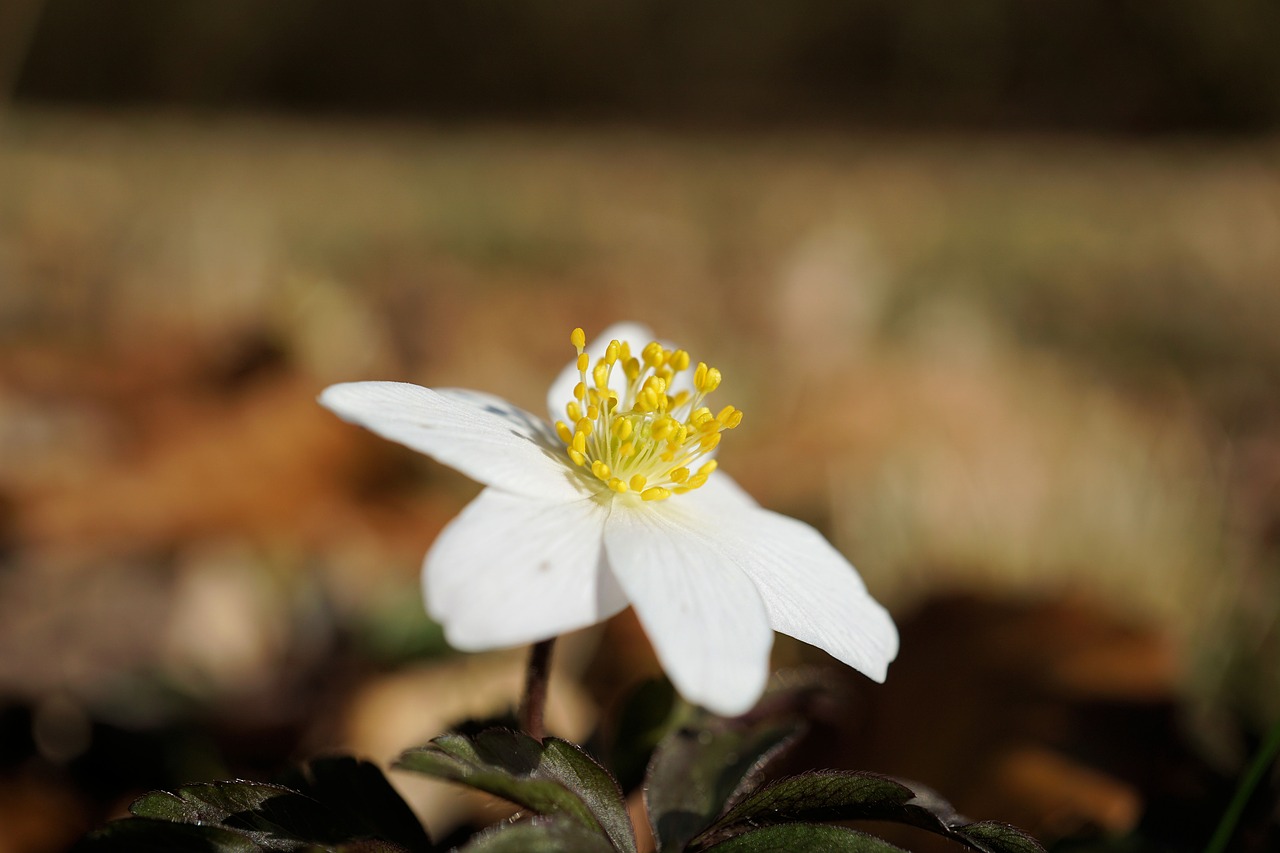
[(996, 284)]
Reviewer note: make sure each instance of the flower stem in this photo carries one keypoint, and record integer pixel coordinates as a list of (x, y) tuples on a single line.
[(535, 688)]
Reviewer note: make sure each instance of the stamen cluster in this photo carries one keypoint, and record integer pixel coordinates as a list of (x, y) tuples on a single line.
[(650, 438)]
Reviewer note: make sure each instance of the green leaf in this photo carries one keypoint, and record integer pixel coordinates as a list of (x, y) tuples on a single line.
[(146, 835), (344, 805), (839, 795), (696, 771), (572, 767), (539, 835), (994, 835), (803, 837), (554, 778), (819, 796), (271, 816)]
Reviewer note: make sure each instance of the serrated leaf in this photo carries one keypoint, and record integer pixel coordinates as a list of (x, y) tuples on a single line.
[(539, 835), (147, 835), (271, 816), (570, 765), (805, 838), (695, 772), (552, 778), (848, 795), (348, 806), (819, 796), (994, 835)]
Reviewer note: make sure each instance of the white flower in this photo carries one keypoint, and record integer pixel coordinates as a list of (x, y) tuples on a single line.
[(619, 503)]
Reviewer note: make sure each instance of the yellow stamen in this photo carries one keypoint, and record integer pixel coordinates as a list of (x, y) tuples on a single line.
[(642, 436)]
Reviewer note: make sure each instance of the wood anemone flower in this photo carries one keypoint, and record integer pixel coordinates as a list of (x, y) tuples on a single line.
[(617, 501)]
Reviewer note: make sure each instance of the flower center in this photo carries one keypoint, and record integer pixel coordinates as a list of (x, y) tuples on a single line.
[(652, 438)]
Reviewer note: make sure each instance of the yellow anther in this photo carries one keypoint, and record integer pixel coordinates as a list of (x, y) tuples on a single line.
[(653, 354), (648, 432)]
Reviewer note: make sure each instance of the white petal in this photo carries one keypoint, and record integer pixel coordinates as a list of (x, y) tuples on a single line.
[(510, 570), (810, 590), (703, 616), (721, 495), (480, 435), (561, 391)]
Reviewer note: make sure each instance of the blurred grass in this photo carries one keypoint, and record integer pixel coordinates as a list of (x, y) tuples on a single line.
[(1038, 366)]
